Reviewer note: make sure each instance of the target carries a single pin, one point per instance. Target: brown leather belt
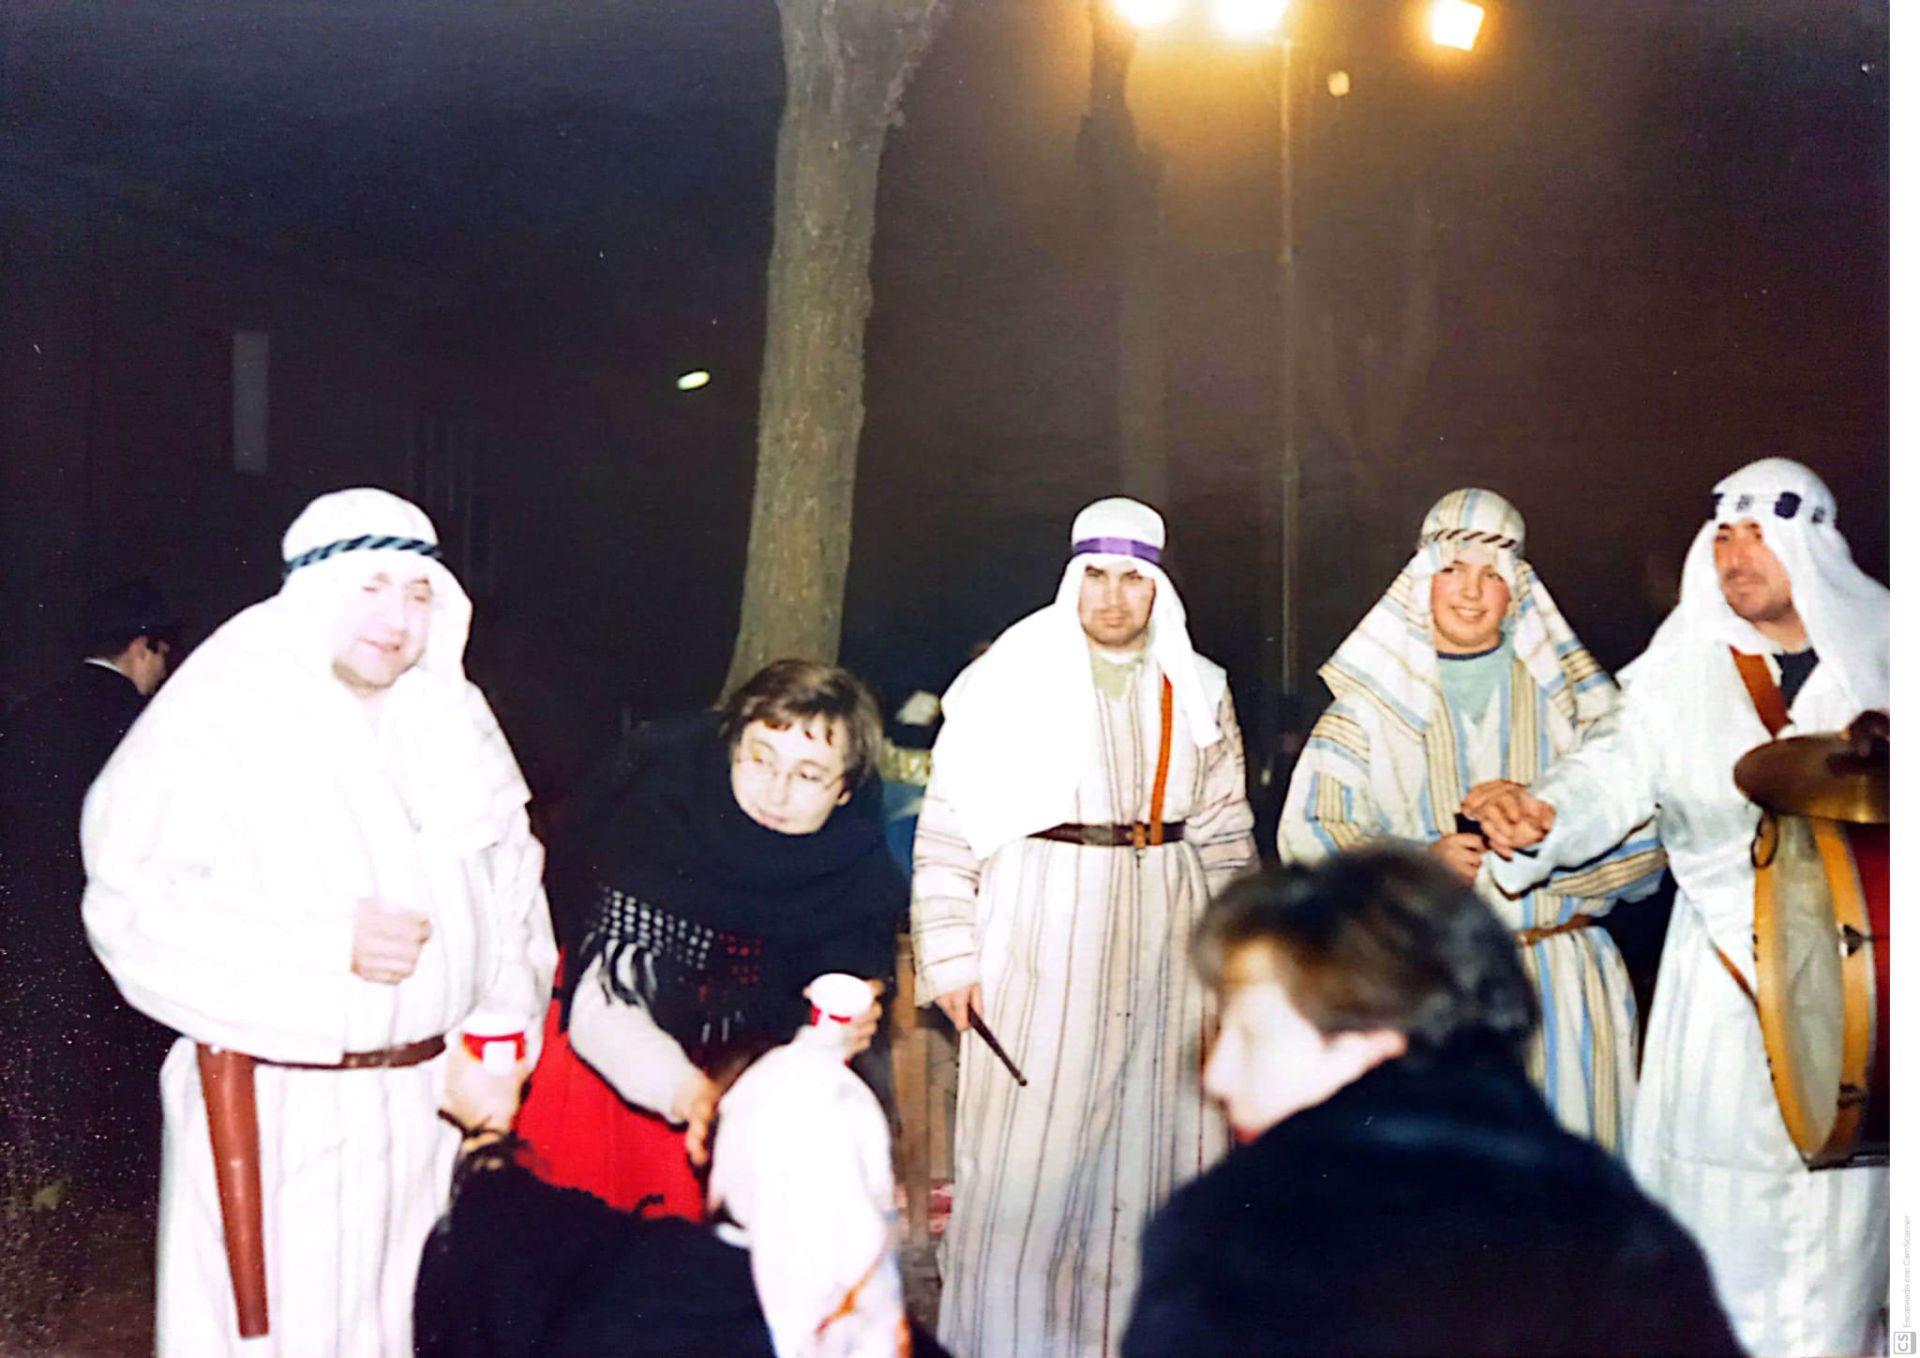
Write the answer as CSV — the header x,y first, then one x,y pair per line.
x,y
1136,835
386,1058
1526,938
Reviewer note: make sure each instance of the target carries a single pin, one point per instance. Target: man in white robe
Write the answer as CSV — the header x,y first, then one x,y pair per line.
x,y
313,849
1466,673
1799,1257
1088,796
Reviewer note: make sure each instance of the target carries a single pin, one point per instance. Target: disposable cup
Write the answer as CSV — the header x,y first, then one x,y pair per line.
x,y
497,1040
837,997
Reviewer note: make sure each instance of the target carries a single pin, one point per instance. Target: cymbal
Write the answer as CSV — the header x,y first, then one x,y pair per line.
x,y
1816,776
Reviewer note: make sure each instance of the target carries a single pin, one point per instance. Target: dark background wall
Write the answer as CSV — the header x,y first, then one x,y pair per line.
x,y
484,239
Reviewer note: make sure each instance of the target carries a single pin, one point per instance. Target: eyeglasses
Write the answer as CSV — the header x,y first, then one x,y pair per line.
x,y
758,768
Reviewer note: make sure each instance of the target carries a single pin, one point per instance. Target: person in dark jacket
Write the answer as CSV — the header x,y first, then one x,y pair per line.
x,y
1400,1187
79,1084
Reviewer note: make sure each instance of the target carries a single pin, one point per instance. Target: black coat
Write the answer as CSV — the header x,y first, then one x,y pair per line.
x,y
54,747
1435,1212
81,1066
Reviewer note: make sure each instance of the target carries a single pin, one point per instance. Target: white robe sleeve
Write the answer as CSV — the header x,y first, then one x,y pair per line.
x,y
187,941
1598,793
631,1052
946,899
802,1163
522,981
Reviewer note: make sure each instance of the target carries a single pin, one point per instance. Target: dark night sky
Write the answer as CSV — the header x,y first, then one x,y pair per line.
x,y
1661,244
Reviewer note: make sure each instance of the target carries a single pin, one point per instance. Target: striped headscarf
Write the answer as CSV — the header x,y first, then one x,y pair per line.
x,y
1390,656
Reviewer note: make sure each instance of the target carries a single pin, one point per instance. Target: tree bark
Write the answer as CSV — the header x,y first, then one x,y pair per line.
x,y
848,62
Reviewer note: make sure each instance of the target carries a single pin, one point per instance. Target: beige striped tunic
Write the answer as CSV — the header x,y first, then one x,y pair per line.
x,y
1081,956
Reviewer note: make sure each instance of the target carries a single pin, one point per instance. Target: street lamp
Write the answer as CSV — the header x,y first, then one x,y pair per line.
x,y
1454,23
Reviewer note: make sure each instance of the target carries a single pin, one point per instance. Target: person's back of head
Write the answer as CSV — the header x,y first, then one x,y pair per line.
x,y
1381,943
131,626
1406,1189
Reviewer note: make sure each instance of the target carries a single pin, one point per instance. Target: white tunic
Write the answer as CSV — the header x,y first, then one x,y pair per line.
x,y
1800,1258
1081,954
228,844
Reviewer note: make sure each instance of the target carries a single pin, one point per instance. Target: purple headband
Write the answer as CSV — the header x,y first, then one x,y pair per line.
x,y
1146,551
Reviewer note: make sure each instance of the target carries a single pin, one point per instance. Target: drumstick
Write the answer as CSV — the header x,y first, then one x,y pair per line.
x,y
979,1026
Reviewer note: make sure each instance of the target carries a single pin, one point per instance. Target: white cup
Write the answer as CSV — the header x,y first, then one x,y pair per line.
x,y
837,1000
495,1038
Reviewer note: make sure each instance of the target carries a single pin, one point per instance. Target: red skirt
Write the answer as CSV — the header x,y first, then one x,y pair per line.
x,y
581,1134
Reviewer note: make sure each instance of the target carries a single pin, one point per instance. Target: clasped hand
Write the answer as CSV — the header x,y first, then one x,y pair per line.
x,y
1510,816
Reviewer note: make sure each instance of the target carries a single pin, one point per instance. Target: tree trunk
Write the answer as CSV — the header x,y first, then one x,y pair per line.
x,y
847,62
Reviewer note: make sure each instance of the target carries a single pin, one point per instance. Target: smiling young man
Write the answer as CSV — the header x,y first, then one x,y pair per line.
x,y
1465,674
314,850
1769,590
1088,796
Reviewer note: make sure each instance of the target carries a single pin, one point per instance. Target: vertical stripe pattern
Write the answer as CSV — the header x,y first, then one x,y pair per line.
x,y
1081,954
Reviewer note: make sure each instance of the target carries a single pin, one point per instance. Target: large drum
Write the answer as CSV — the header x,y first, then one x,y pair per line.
x,y
1822,944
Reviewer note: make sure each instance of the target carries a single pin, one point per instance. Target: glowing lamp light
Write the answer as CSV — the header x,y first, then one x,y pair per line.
x,y
1248,18
693,381
1339,84
1147,13
1456,23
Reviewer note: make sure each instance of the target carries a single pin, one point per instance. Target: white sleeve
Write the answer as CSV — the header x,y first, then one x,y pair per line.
x,y
822,1247
1598,793
173,912
522,981
621,1041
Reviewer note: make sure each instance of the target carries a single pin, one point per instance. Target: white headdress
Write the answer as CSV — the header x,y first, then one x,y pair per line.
x,y
1844,609
1390,656
1021,726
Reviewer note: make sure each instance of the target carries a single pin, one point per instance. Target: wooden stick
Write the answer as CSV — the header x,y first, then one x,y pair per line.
x,y
993,1044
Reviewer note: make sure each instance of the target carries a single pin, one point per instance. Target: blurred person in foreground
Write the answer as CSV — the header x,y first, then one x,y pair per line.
x,y
1401,1188
797,1255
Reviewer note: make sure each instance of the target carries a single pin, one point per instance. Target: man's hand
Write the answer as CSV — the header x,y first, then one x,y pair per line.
x,y
954,1005
1512,817
387,942
868,1024
694,1103
475,1097
1460,852
1871,734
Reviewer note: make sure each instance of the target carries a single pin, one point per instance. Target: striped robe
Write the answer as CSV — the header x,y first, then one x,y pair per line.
x,y
1081,956
1346,791
228,844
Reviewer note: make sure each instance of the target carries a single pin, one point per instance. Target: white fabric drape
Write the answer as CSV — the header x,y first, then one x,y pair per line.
x,y
228,843
1800,1258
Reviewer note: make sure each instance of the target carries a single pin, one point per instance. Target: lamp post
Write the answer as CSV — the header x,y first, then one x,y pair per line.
x,y
1453,23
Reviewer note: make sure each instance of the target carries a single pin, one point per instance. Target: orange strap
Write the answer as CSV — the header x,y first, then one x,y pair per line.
x,y
1768,701
1156,831
1771,706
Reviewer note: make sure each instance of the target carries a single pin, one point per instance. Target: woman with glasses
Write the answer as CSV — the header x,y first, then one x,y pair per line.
x,y
733,857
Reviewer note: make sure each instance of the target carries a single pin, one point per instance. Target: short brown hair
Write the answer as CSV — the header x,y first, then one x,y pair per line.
x,y
1381,938
790,691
